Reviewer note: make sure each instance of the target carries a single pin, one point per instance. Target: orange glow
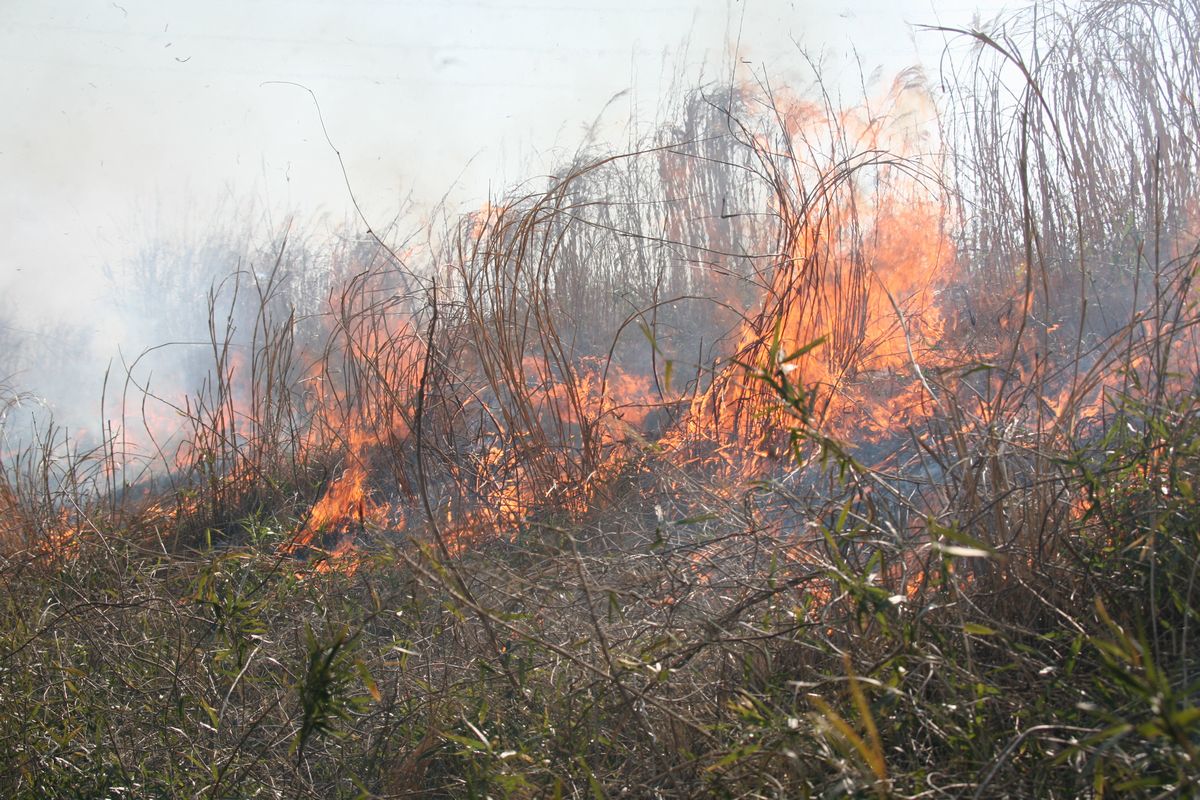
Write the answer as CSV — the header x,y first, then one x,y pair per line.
x,y
857,253
863,271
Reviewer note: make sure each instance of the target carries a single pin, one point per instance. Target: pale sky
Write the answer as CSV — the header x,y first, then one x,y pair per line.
x,y
125,119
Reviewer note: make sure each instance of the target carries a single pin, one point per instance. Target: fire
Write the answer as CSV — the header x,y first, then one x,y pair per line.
x,y
861,265
345,510
487,390
864,262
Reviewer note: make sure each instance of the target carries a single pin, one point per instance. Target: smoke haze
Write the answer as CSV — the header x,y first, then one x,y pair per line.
x,y
168,140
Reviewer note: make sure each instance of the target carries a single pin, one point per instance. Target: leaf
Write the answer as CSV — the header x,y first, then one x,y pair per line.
x,y
959,544
696,519
211,712
471,744
961,552
814,344
733,756
1185,718
842,727
876,759
593,784
368,681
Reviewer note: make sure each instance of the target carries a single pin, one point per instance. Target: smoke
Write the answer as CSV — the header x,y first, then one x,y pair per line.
x,y
158,165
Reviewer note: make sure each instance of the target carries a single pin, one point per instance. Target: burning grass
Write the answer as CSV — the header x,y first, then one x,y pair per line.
x,y
802,451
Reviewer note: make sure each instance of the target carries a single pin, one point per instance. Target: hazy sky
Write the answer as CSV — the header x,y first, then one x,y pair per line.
x,y
126,119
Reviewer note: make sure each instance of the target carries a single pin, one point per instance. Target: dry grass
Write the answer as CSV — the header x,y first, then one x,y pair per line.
x,y
802,451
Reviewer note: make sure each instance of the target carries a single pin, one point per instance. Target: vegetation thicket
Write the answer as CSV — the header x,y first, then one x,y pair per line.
x,y
801,451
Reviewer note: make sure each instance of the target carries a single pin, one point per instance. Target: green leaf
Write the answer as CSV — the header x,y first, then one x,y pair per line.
x,y
978,630
733,756
1185,718
813,345
471,744
593,784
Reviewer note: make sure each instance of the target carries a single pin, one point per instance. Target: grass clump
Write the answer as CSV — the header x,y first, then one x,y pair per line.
x,y
801,452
